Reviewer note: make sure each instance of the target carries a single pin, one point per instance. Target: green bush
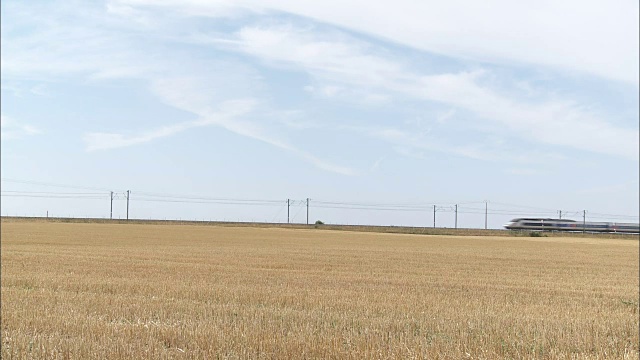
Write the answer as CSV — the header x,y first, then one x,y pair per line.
x,y
537,234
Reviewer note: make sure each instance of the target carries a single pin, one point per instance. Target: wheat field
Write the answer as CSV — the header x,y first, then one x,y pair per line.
x,y
127,291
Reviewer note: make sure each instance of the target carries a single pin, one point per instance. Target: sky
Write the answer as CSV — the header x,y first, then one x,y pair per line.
x,y
374,111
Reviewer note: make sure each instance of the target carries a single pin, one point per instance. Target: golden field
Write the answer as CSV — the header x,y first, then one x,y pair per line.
x,y
124,291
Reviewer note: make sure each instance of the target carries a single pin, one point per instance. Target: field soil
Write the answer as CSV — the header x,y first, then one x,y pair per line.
x,y
127,291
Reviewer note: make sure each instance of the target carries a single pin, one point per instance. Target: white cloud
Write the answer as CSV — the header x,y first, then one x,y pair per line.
x,y
414,144
104,46
330,58
341,68
342,60
192,95
295,119
444,117
361,95
376,164
593,37
12,129
105,141
521,171
227,116
554,122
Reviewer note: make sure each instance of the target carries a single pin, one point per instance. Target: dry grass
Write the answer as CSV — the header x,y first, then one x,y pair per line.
x,y
117,291
358,228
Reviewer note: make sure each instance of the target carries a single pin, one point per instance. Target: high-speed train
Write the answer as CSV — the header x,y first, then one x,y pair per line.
x,y
571,225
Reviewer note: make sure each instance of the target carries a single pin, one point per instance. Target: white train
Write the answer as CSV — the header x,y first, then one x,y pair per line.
x,y
571,225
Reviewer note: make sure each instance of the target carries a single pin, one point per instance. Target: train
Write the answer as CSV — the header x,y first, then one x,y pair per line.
x,y
571,225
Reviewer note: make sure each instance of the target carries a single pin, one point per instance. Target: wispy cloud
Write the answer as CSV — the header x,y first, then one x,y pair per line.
x,y
510,32
109,46
521,171
340,66
346,61
191,95
418,145
13,129
376,164
629,188
229,110
445,116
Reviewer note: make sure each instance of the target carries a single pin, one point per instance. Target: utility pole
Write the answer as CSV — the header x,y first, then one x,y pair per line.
x,y
456,216
307,211
486,207
128,192
434,216
560,214
111,211
584,220
287,211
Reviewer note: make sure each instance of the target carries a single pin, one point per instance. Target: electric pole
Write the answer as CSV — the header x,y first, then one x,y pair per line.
x,y
434,216
560,214
456,216
486,207
584,220
128,192
307,211
111,211
287,211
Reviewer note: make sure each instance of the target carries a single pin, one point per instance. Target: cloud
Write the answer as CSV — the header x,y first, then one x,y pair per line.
x,y
128,42
554,122
105,141
192,95
376,164
327,57
350,63
417,145
54,49
555,34
12,129
201,73
444,117
226,116
521,171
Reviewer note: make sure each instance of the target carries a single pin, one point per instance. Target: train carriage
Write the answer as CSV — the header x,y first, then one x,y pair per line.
x,y
549,224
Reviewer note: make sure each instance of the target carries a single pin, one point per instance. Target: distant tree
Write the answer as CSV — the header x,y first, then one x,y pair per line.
x,y
537,234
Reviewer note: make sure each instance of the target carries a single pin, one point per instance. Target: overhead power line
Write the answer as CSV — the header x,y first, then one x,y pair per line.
x,y
469,207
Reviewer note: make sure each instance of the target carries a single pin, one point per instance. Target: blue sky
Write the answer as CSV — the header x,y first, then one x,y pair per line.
x,y
385,108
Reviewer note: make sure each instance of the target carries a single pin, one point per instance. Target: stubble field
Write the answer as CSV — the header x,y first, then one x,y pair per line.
x,y
120,291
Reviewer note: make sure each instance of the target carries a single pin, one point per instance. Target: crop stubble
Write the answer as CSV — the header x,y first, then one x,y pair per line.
x,y
121,291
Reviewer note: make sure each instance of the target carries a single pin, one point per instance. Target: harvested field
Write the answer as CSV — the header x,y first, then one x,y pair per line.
x,y
122,291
